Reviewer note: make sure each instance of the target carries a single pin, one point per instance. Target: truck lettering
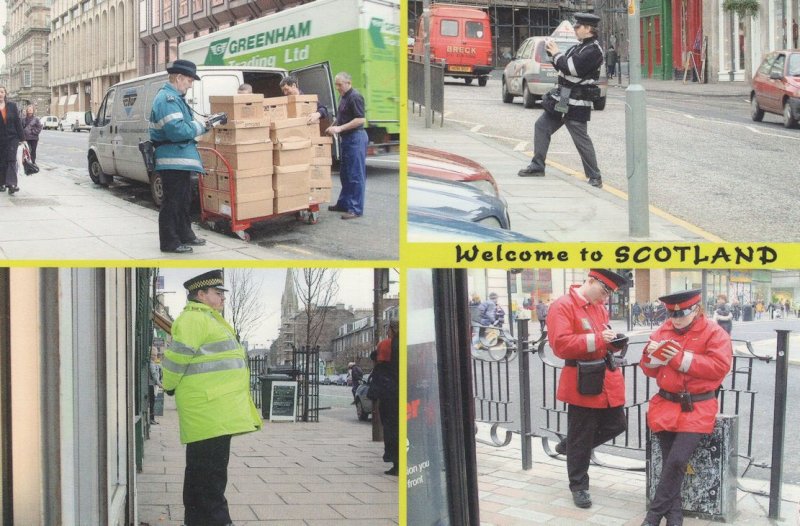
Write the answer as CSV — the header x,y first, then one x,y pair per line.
x,y
267,38
462,50
296,54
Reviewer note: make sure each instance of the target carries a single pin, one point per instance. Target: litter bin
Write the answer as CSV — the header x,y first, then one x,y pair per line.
x,y
747,313
266,390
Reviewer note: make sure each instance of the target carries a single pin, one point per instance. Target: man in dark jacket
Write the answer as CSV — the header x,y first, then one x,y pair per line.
x,y
578,73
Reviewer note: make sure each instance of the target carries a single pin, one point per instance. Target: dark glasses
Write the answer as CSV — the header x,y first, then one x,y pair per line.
x,y
683,312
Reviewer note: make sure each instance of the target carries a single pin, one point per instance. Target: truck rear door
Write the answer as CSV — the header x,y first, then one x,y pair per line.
x,y
104,137
318,80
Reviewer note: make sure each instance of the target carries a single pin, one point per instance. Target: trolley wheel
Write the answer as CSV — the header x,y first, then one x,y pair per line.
x,y
313,218
243,235
302,215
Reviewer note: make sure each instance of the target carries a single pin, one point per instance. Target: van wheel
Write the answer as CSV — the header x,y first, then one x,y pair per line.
x,y
482,81
156,189
96,172
528,98
756,113
788,121
507,97
468,81
599,104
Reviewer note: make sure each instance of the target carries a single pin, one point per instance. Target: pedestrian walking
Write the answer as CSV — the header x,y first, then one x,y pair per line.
x,y
385,376
487,310
611,61
153,381
11,135
349,126
689,357
206,369
541,314
570,104
722,313
31,128
173,132
356,374
594,388
290,86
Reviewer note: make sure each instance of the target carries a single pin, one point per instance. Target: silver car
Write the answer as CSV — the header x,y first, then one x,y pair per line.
x,y
530,75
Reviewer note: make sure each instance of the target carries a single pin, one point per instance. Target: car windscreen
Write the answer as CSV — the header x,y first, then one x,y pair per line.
x,y
794,65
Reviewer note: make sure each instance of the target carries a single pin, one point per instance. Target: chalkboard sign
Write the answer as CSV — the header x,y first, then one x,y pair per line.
x,y
283,402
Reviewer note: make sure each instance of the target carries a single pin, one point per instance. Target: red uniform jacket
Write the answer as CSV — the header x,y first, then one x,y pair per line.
x,y
704,360
574,329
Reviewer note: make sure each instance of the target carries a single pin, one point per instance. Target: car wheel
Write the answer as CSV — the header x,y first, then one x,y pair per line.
x,y
528,99
788,120
156,189
507,97
482,81
96,172
599,104
362,415
468,81
756,113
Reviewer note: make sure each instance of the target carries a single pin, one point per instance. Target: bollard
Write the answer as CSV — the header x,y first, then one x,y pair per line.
x,y
778,423
524,387
709,487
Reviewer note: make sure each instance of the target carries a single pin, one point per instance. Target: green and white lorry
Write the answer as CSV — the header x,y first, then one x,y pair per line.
x,y
315,41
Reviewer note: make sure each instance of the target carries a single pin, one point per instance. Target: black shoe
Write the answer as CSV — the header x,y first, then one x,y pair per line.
x,y
180,249
392,471
198,242
561,447
334,208
596,182
582,499
531,171
13,190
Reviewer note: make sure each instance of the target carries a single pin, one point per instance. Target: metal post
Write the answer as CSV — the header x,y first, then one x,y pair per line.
x,y
733,47
524,394
636,133
426,59
779,423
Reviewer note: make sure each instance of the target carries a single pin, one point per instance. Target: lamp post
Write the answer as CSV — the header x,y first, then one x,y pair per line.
x,y
636,132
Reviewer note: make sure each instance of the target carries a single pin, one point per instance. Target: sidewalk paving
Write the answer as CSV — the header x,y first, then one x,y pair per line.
x,y
562,207
511,496
288,474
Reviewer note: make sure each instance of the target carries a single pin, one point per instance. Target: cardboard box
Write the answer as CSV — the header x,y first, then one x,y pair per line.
x,y
322,146
246,210
301,105
239,107
211,201
207,139
321,161
292,151
245,156
290,203
291,180
276,108
321,195
320,176
314,130
241,174
249,188
282,130
243,134
210,180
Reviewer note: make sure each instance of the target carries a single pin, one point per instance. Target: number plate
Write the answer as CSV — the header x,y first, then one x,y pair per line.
x,y
463,69
552,74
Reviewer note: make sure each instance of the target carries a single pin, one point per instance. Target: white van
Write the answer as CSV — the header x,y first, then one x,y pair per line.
x,y
74,121
49,122
122,121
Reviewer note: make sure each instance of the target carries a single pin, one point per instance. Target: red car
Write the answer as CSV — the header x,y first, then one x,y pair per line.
x,y
776,87
449,166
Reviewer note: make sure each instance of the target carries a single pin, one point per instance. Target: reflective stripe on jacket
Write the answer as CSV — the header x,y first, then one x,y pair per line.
x,y
207,368
171,123
574,330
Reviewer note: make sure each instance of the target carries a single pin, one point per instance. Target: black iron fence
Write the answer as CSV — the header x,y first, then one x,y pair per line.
x,y
304,370
416,86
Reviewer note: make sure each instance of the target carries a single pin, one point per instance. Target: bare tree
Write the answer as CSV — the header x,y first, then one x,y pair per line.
x,y
316,288
243,306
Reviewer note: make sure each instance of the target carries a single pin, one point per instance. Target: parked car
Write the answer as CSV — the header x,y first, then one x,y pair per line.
x,y
530,74
325,380
451,167
50,122
432,228
776,87
74,121
340,379
456,200
363,404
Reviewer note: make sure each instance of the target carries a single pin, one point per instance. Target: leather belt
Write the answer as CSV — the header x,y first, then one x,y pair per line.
x,y
699,397
571,363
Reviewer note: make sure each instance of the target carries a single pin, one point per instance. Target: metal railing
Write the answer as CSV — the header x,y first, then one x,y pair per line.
x,y
416,86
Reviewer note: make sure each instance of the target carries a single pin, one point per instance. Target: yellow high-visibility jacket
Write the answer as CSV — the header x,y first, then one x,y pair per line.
x,y
207,368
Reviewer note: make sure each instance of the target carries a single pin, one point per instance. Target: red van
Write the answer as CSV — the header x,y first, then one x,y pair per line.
x,y
461,37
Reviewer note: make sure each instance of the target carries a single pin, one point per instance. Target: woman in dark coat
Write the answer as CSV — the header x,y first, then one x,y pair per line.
x,y
31,128
10,137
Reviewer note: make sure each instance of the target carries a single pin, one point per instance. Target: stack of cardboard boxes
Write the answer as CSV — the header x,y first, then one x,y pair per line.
x,y
271,151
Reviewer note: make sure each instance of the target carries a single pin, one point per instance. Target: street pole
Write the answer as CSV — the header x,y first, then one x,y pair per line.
x,y
426,59
733,47
636,133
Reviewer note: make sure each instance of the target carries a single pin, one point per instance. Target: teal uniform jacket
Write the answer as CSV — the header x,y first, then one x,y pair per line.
x,y
172,125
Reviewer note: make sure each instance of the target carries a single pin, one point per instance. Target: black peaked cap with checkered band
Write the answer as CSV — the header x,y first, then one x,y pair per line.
x,y
212,278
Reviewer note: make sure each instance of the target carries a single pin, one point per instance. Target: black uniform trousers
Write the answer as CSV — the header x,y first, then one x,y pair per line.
x,y
676,448
205,480
547,124
174,220
391,428
587,428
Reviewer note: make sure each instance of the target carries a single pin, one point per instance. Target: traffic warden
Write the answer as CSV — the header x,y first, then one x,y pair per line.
x,y
206,369
349,126
594,388
689,356
570,104
173,133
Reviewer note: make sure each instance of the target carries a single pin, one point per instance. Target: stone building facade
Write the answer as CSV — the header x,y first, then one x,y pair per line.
x,y
27,53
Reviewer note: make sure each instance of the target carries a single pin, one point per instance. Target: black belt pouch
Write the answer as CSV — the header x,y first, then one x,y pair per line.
x,y
591,376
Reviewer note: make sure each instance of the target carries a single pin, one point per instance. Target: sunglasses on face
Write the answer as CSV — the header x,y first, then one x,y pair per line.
x,y
683,312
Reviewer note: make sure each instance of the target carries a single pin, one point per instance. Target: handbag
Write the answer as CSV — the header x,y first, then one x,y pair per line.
x,y
591,376
27,163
